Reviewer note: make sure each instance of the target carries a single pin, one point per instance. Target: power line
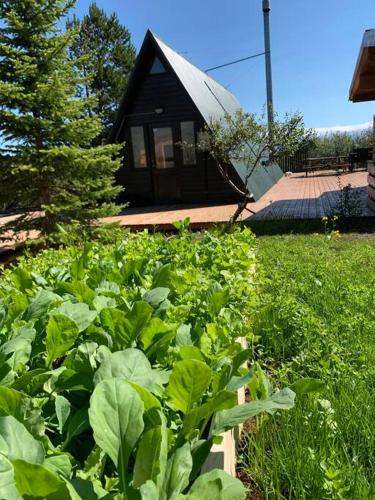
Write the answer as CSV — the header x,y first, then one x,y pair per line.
x,y
235,62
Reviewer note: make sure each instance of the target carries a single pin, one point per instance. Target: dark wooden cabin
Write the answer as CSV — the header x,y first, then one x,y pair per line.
x,y
167,101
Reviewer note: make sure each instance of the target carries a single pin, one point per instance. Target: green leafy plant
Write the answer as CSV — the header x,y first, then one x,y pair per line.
x,y
120,364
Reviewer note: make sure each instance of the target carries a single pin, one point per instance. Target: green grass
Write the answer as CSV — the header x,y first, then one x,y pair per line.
x,y
316,318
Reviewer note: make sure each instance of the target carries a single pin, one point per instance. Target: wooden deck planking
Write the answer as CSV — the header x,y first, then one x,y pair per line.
x,y
293,197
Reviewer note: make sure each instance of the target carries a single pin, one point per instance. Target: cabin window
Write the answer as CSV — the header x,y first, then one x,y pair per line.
x,y
139,147
189,156
157,67
164,147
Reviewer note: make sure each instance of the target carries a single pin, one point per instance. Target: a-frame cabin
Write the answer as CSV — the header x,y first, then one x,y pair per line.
x,y
167,101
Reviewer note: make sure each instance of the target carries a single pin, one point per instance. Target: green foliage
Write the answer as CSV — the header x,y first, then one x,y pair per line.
x,y
249,141
48,167
102,49
116,359
340,143
315,320
349,203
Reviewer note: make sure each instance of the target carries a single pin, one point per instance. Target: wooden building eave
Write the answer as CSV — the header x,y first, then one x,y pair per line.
x,y
363,82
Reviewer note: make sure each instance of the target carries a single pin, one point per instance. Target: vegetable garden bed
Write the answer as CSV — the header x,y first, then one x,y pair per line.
x,y
119,367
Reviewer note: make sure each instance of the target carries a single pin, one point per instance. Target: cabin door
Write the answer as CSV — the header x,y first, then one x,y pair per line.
x,y
164,160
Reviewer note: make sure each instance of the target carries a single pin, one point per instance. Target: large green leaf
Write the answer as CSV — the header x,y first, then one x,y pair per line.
x,y
81,489
22,408
227,419
223,400
156,296
8,489
151,458
78,312
149,491
217,485
37,481
77,423
217,297
130,364
179,467
116,417
62,408
154,330
187,384
80,290
40,304
18,348
138,318
10,401
16,442
62,332
126,327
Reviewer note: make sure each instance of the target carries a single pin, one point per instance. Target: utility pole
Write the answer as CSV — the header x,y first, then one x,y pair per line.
x,y
267,48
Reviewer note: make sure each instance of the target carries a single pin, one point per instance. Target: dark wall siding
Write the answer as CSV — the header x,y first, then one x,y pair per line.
x,y
196,184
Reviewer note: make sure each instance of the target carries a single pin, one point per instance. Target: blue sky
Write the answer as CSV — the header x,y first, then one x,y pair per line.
x,y
314,48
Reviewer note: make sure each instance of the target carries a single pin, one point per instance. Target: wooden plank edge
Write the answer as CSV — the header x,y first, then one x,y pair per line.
x,y
224,455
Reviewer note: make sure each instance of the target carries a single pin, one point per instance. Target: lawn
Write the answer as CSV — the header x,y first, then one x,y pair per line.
x,y
316,318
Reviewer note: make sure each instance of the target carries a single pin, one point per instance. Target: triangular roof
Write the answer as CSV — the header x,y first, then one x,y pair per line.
x,y
210,98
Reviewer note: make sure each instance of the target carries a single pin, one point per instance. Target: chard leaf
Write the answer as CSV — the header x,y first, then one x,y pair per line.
x,y
190,352
227,419
238,382
223,400
149,491
59,463
16,442
138,317
116,417
102,302
217,298
156,296
183,336
77,423
62,332
86,490
40,304
187,384
62,407
149,400
153,330
22,408
34,480
179,467
80,290
151,458
131,365
79,312
109,288
217,484
126,327
8,489
18,348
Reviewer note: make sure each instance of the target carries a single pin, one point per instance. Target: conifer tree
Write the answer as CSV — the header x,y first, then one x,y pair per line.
x,y
47,164
109,58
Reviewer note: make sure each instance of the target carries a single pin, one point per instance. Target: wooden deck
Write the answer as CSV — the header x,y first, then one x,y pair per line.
x,y
293,197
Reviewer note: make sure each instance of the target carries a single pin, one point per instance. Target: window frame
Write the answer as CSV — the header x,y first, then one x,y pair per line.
x,y
138,167
150,73
189,165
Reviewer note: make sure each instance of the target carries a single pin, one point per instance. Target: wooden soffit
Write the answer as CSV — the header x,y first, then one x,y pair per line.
x,y
363,83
